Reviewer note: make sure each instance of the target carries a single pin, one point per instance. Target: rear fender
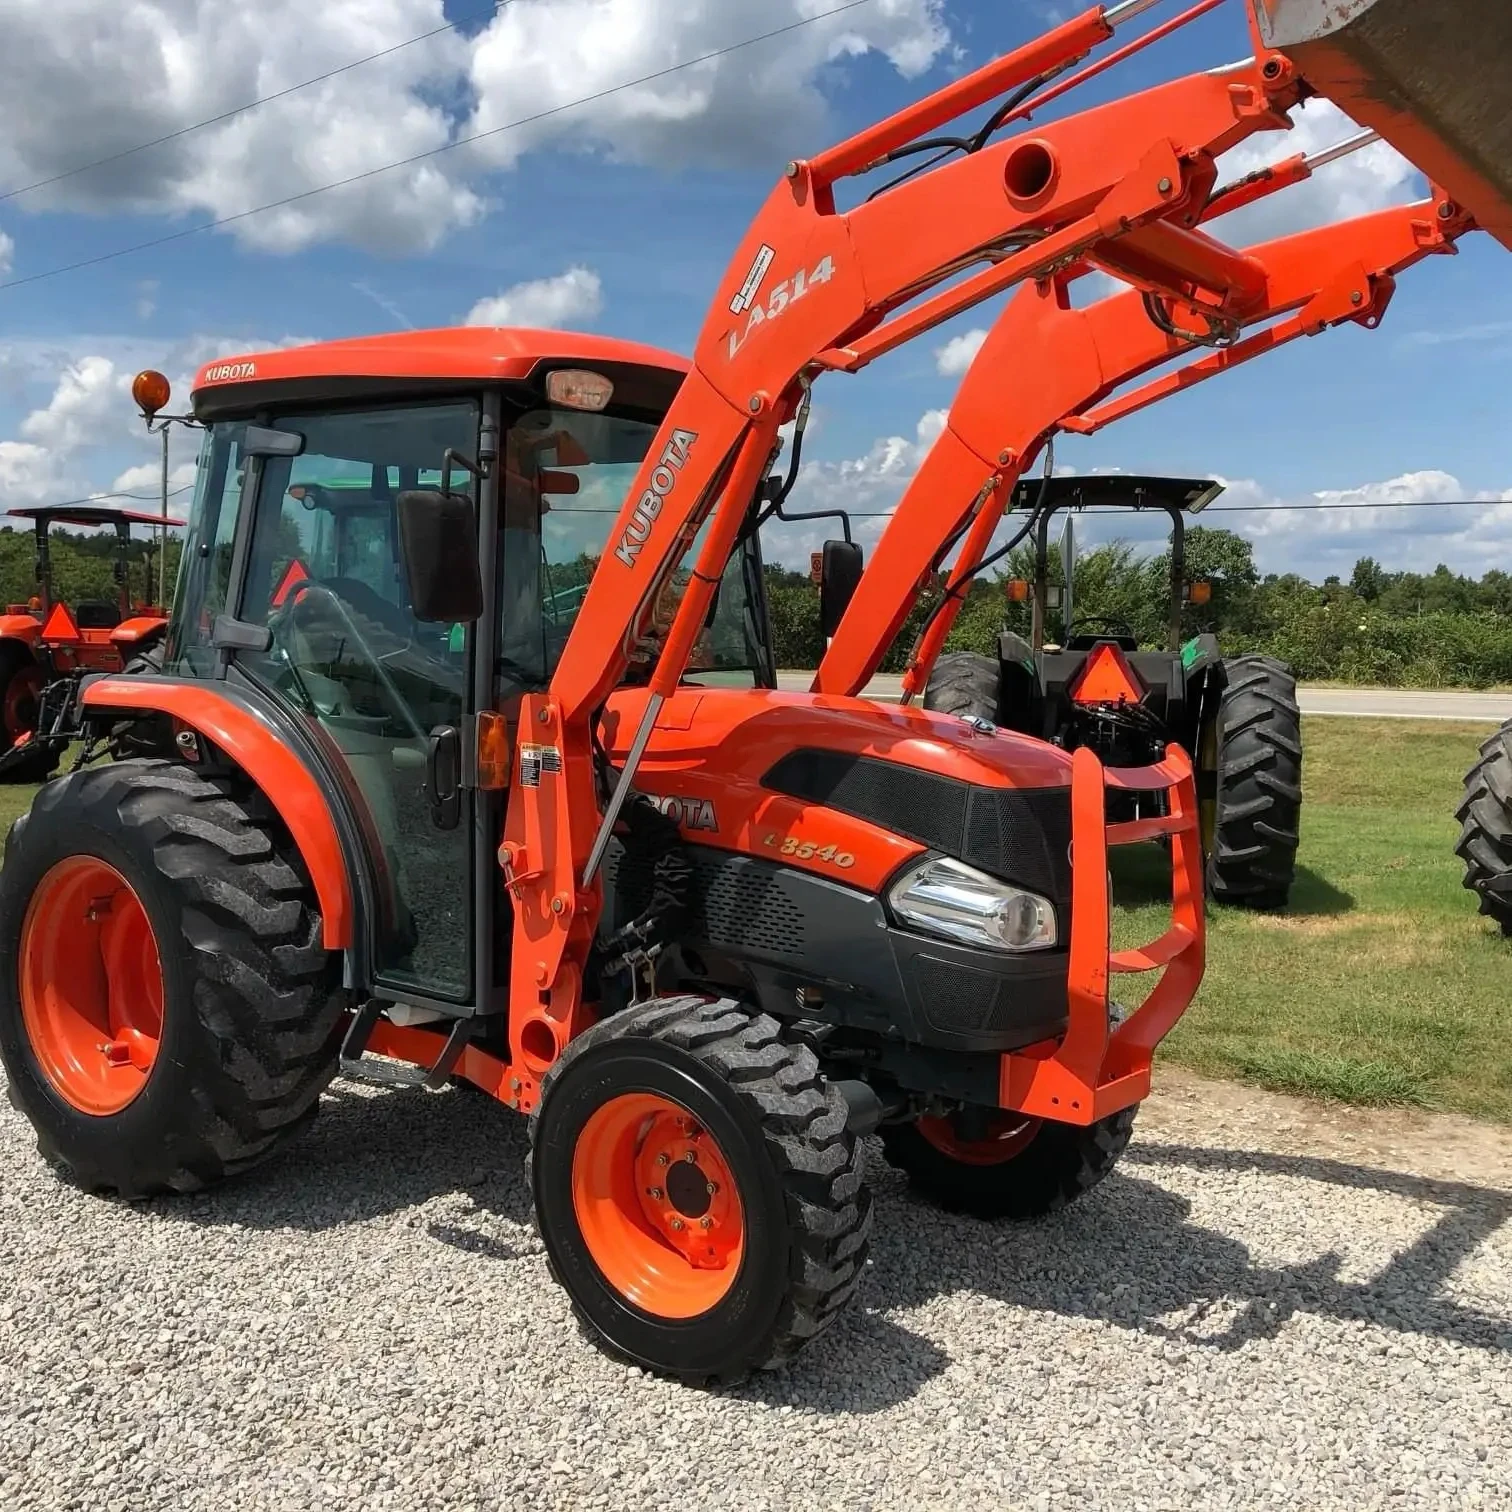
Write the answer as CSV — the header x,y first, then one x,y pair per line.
x,y
20,627
138,633
283,778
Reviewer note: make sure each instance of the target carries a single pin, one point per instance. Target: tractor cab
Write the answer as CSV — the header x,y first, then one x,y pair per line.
x,y
295,593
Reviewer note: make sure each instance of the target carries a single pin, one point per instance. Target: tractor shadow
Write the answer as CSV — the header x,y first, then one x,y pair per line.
x,y
373,1154
1129,1255
1142,877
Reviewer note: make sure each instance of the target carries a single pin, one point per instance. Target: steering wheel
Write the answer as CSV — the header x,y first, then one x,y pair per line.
x,y
1104,622
309,588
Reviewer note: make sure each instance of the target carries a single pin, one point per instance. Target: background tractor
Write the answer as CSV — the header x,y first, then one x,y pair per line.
x,y
1094,687
47,644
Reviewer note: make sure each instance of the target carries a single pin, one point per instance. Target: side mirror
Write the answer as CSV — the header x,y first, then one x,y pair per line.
x,y
438,546
259,441
839,574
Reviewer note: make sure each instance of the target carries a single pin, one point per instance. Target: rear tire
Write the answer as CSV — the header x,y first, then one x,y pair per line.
x,y
251,1001
1026,1176
964,683
789,1192
1259,789
21,683
1485,816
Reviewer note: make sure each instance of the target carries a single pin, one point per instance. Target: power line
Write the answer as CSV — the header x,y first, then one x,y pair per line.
x,y
477,136
226,115
887,514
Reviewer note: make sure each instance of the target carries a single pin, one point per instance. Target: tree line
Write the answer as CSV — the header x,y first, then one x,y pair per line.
x,y
1394,629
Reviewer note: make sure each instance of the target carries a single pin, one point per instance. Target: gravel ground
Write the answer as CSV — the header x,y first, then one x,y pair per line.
x,y
1267,1306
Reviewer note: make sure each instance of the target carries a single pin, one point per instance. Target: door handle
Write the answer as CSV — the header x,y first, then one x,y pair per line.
x,y
443,776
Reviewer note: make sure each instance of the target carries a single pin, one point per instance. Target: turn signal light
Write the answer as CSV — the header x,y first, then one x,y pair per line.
x,y
1199,593
1017,590
494,752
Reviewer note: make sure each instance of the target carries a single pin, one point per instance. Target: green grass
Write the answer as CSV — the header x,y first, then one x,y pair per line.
x,y
1380,983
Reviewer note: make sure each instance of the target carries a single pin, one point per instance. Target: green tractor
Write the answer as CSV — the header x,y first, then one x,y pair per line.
x,y
1237,716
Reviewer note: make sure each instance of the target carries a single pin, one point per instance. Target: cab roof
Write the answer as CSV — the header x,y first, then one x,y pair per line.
x,y
1117,491
91,514
436,360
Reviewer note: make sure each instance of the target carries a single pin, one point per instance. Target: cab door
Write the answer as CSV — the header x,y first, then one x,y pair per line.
x,y
388,694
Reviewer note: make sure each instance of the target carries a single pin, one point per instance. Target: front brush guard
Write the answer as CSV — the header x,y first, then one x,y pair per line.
x,y
1095,1069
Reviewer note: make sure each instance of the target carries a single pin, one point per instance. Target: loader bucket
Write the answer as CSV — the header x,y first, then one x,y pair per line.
x,y
1431,76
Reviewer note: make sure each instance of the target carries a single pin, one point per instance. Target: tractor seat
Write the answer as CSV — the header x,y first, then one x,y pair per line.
x,y
96,614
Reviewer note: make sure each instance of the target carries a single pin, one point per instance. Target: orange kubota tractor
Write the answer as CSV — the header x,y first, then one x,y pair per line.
x,y
47,645
437,796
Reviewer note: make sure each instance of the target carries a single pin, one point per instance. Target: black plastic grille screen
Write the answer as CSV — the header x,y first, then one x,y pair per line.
x,y
957,998
734,902
1021,836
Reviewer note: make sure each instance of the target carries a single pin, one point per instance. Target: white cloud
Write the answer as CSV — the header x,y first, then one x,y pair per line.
x,y
570,298
146,298
952,359
83,401
1370,179
146,479
7,252
29,474
1394,519
78,93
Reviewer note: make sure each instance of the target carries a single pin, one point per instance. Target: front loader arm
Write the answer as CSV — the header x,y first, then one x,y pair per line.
x,y
1046,367
814,288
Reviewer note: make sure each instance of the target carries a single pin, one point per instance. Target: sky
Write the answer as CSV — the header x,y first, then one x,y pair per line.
x,y
587,196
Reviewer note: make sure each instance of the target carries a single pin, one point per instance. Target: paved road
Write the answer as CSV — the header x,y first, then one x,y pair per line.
x,y
1374,703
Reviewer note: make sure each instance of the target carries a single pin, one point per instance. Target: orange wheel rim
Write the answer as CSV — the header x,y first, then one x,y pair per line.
x,y
91,985
657,1206
1008,1135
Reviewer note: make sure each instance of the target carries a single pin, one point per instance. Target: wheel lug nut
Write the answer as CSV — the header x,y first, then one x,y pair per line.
x,y
711,1188
691,1158
677,1224
655,1192
662,1158
706,1223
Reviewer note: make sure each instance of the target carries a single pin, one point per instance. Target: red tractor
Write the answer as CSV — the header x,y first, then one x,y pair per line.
x,y
427,812
47,645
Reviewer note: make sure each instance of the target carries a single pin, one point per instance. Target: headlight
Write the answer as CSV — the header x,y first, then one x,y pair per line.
x,y
947,897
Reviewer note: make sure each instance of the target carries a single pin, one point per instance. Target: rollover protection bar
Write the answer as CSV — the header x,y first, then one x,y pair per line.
x,y
1096,1068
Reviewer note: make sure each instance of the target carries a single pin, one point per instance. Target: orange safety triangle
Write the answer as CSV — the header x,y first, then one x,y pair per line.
x,y
60,625
295,574
1106,678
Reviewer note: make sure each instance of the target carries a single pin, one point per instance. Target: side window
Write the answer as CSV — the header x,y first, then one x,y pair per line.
x,y
205,565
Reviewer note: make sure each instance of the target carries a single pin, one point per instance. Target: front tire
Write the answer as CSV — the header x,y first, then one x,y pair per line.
x,y
702,1269
1018,1168
168,1013
1485,817
1257,820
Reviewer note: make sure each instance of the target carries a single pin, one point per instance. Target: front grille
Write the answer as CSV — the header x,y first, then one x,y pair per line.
x,y
1022,837
921,805
733,902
